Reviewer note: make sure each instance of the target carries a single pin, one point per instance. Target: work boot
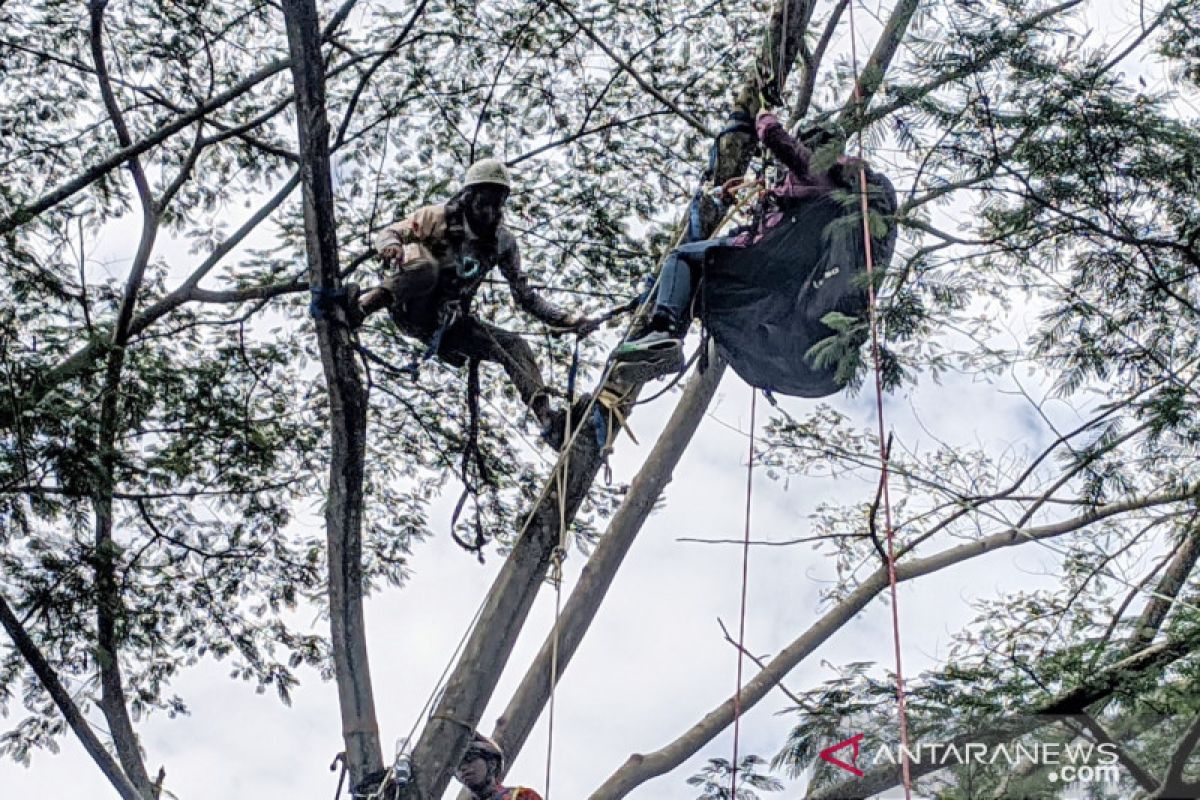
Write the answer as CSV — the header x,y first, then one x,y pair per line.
x,y
650,356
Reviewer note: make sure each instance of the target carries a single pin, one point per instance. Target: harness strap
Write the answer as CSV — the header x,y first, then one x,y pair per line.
x,y
448,314
472,454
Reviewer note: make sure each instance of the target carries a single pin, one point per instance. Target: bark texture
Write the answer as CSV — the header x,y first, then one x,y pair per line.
x,y
347,399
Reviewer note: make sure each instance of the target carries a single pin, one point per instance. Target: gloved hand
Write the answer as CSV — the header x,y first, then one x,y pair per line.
x,y
729,189
393,253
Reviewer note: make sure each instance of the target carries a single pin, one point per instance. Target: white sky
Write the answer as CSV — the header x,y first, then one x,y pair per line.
x,y
654,661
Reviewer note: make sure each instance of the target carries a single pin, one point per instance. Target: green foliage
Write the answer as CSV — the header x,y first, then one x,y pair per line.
x,y
221,425
1037,182
715,781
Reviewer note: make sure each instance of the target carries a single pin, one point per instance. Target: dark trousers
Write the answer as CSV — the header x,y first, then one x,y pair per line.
x,y
414,309
677,286
471,338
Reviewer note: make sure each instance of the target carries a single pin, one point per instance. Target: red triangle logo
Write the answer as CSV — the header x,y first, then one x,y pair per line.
x,y
828,755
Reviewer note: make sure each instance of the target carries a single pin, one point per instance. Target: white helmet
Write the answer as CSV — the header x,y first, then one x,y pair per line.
x,y
488,171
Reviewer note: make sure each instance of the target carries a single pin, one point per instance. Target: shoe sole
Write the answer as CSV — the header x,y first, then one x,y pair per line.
x,y
658,362
654,347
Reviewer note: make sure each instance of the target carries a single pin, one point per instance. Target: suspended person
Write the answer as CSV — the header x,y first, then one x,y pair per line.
x,y
657,349
441,254
480,771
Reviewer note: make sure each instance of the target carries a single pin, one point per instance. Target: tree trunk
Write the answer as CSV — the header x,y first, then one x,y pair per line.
x,y
347,399
513,727
490,644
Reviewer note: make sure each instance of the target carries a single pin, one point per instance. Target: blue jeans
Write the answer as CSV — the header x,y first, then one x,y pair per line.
x,y
673,303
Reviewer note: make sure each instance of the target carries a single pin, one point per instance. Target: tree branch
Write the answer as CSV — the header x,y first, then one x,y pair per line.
x,y
811,64
347,401
527,703
62,698
110,608
1172,783
92,174
870,78
908,95
1114,679
642,767
642,82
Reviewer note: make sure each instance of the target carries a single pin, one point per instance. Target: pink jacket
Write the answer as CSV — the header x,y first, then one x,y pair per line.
x,y
799,182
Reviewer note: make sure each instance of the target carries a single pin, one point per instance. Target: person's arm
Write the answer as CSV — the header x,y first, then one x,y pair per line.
x,y
794,155
427,222
527,298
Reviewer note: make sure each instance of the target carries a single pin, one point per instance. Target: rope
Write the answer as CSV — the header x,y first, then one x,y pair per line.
x,y
340,758
556,565
437,687
883,449
737,696
558,472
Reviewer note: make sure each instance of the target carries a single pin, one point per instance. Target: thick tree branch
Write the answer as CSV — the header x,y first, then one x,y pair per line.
x,y
1139,773
347,400
642,767
1153,616
811,63
62,698
527,703
1172,782
870,77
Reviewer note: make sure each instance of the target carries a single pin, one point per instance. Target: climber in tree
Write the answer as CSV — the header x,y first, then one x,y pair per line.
x,y
480,771
441,254
657,348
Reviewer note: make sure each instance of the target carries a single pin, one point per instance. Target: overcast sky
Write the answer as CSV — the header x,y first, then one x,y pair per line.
x,y
655,660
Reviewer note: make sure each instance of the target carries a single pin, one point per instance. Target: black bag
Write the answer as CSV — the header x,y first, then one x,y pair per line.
x,y
764,303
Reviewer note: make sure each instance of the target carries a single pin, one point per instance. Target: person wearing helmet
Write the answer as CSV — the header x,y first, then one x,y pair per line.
x,y
657,348
480,770
440,255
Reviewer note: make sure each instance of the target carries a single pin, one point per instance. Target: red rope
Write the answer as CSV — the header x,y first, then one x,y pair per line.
x,y
883,453
737,696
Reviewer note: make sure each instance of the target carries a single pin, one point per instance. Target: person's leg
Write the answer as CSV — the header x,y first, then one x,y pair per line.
x,y
673,301
471,338
412,282
657,349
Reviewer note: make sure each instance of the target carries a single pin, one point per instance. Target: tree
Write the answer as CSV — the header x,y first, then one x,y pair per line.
x,y
161,436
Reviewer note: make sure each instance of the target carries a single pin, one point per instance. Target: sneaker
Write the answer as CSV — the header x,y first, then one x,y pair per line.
x,y
653,355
